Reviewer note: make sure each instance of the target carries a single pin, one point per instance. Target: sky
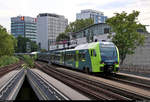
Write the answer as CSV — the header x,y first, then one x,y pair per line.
x,y
69,8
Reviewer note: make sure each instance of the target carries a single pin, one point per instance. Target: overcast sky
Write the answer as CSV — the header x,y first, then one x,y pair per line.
x,y
69,8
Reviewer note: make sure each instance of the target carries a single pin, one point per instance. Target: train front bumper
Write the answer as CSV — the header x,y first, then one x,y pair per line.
x,y
109,68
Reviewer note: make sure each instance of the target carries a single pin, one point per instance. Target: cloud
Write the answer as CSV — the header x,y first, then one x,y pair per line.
x,y
69,8
115,4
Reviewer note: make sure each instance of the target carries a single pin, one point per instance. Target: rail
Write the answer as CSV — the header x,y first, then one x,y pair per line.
x,y
81,84
43,89
10,89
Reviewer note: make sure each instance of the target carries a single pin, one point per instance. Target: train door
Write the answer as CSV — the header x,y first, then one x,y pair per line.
x,y
77,59
94,60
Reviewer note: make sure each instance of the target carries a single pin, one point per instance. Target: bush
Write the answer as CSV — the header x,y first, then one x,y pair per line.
x,y
28,60
6,60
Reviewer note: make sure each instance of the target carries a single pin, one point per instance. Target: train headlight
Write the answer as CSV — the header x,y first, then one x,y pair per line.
x,y
102,62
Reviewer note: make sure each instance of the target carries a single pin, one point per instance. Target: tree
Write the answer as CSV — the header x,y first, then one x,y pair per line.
x,y
7,42
78,25
22,44
34,46
73,27
126,36
43,50
62,37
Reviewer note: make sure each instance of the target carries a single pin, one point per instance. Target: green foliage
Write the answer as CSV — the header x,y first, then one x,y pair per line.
x,y
6,60
78,25
28,60
62,37
43,50
22,43
73,27
34,57
126,38
25,66
7,42
34,46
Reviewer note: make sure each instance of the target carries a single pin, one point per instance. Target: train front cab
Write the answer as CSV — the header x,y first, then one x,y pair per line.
x,y
109,62
104,58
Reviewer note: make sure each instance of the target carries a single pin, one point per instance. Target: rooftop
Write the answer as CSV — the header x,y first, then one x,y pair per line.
x,y
49,14
91,11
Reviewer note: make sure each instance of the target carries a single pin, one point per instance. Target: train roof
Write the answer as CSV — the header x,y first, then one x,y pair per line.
x,y
86,46
89,46
93,45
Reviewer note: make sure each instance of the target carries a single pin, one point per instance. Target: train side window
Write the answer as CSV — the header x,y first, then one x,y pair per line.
x,y
75,57
91,52
83,56
80,56
72,57
94,53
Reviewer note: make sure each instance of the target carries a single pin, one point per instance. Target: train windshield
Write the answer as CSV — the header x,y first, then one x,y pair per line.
x,y
108,52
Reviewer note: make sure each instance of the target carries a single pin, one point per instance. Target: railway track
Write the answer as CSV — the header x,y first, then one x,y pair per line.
x,y
9,68
44,90
127,93
83,85
10,89
140,84
119,90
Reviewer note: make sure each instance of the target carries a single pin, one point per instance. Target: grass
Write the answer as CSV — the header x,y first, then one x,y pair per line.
x,y
28,60
7,60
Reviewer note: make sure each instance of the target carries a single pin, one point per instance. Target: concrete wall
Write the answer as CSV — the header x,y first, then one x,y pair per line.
x,y
141,58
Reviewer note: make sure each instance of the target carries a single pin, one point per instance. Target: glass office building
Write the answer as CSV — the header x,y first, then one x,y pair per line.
x,y
97,16
24,26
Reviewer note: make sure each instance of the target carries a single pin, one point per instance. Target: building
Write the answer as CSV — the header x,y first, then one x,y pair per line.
x,y
24,26
95,32
142,54
97,16
49,26
92,33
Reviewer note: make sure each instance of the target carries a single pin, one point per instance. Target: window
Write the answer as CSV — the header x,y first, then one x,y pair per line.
x,y
108,52
106,30
82,56
94,53
91,52
84,35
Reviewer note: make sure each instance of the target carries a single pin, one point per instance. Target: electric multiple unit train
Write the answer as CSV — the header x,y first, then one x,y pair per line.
x,y
91,57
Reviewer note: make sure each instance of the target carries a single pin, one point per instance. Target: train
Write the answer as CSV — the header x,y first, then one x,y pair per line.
x,y
92,57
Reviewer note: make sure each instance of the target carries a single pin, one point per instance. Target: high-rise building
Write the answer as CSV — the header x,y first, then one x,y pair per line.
x,y
49,26
24,26
97,16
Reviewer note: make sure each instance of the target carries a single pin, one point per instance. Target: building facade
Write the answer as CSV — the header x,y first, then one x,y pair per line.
x,y
141,57
24,26
49,26
97,16
92,33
